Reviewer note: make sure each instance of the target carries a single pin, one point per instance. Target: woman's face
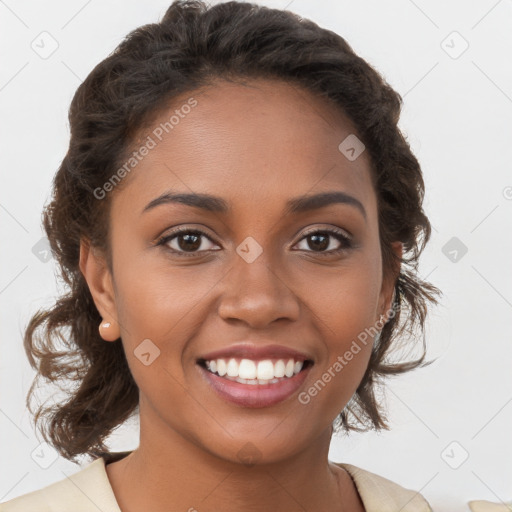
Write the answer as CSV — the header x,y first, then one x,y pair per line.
x,y
259,283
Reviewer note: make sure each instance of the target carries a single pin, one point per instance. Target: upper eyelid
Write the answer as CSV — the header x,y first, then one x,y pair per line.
x,y
330,230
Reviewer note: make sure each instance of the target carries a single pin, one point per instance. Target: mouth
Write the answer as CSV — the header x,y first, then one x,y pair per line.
x,y
255,382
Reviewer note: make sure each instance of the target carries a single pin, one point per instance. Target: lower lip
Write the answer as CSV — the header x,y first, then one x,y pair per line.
x,y
255,395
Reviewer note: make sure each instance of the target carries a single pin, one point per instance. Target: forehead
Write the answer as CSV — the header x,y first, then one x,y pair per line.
x,y
255,142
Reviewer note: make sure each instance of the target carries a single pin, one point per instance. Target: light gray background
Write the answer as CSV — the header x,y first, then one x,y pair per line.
x,y
457,117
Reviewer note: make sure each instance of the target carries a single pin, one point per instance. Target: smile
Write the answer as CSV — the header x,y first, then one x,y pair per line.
x,y
253,383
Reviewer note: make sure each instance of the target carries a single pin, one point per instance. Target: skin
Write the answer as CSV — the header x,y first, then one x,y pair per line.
x,y
256,145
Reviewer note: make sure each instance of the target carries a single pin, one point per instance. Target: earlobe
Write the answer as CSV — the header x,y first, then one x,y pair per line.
x,y
99,280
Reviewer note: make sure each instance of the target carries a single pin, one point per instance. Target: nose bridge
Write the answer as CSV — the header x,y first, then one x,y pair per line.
x,y
255,271
255,292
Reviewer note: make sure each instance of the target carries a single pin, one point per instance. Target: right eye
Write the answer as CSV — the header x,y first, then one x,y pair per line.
x,y
185,240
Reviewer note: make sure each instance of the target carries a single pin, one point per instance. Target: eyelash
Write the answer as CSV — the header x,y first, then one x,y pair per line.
x,y
338,235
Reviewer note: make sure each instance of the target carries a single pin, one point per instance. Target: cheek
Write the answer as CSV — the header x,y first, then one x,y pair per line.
x,y
346,299
345,307
348,344
166,306
156,296
348,311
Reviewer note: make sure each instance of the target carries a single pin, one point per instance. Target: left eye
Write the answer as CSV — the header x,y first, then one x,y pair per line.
x,y
321,240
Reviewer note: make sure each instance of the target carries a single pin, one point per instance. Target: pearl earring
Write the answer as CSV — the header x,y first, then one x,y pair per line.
x,y
106,333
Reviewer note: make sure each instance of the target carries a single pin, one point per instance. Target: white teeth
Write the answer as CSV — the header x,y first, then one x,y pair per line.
x,y
252,372
232,370
279,369
247,369
290,366
265,370
221,367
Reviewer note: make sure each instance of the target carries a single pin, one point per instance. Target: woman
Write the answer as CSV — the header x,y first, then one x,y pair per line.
x,y
239,220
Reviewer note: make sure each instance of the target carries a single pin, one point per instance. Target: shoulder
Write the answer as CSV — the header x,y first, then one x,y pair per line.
x,y
379,494
88,490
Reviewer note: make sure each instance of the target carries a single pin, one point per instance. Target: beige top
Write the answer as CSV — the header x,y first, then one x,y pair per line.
x,y
89,490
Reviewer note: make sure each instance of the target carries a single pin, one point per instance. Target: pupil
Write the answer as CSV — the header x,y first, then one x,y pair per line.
x,y
188,238
322,245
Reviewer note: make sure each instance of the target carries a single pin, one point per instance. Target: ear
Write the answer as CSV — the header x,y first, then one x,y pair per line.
x,y
94,268
388,284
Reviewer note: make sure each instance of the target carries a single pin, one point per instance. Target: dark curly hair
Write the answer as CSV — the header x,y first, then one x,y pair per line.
x,y
192,46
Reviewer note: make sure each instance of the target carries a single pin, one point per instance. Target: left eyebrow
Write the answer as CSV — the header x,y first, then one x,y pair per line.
x,y
307,203
296,205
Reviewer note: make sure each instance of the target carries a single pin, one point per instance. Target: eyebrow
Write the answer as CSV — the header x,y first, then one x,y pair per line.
x,y
296,205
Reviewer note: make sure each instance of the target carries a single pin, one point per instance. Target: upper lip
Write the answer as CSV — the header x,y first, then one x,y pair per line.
x,y
256,352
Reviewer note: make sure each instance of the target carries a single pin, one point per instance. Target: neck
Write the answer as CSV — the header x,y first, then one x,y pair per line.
x,y
168,471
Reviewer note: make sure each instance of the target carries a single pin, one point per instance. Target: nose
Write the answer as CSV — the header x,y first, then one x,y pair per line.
x,y
257,294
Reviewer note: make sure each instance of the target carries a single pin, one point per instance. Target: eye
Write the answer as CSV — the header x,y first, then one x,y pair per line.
x,y
185,240
322,241
190,242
